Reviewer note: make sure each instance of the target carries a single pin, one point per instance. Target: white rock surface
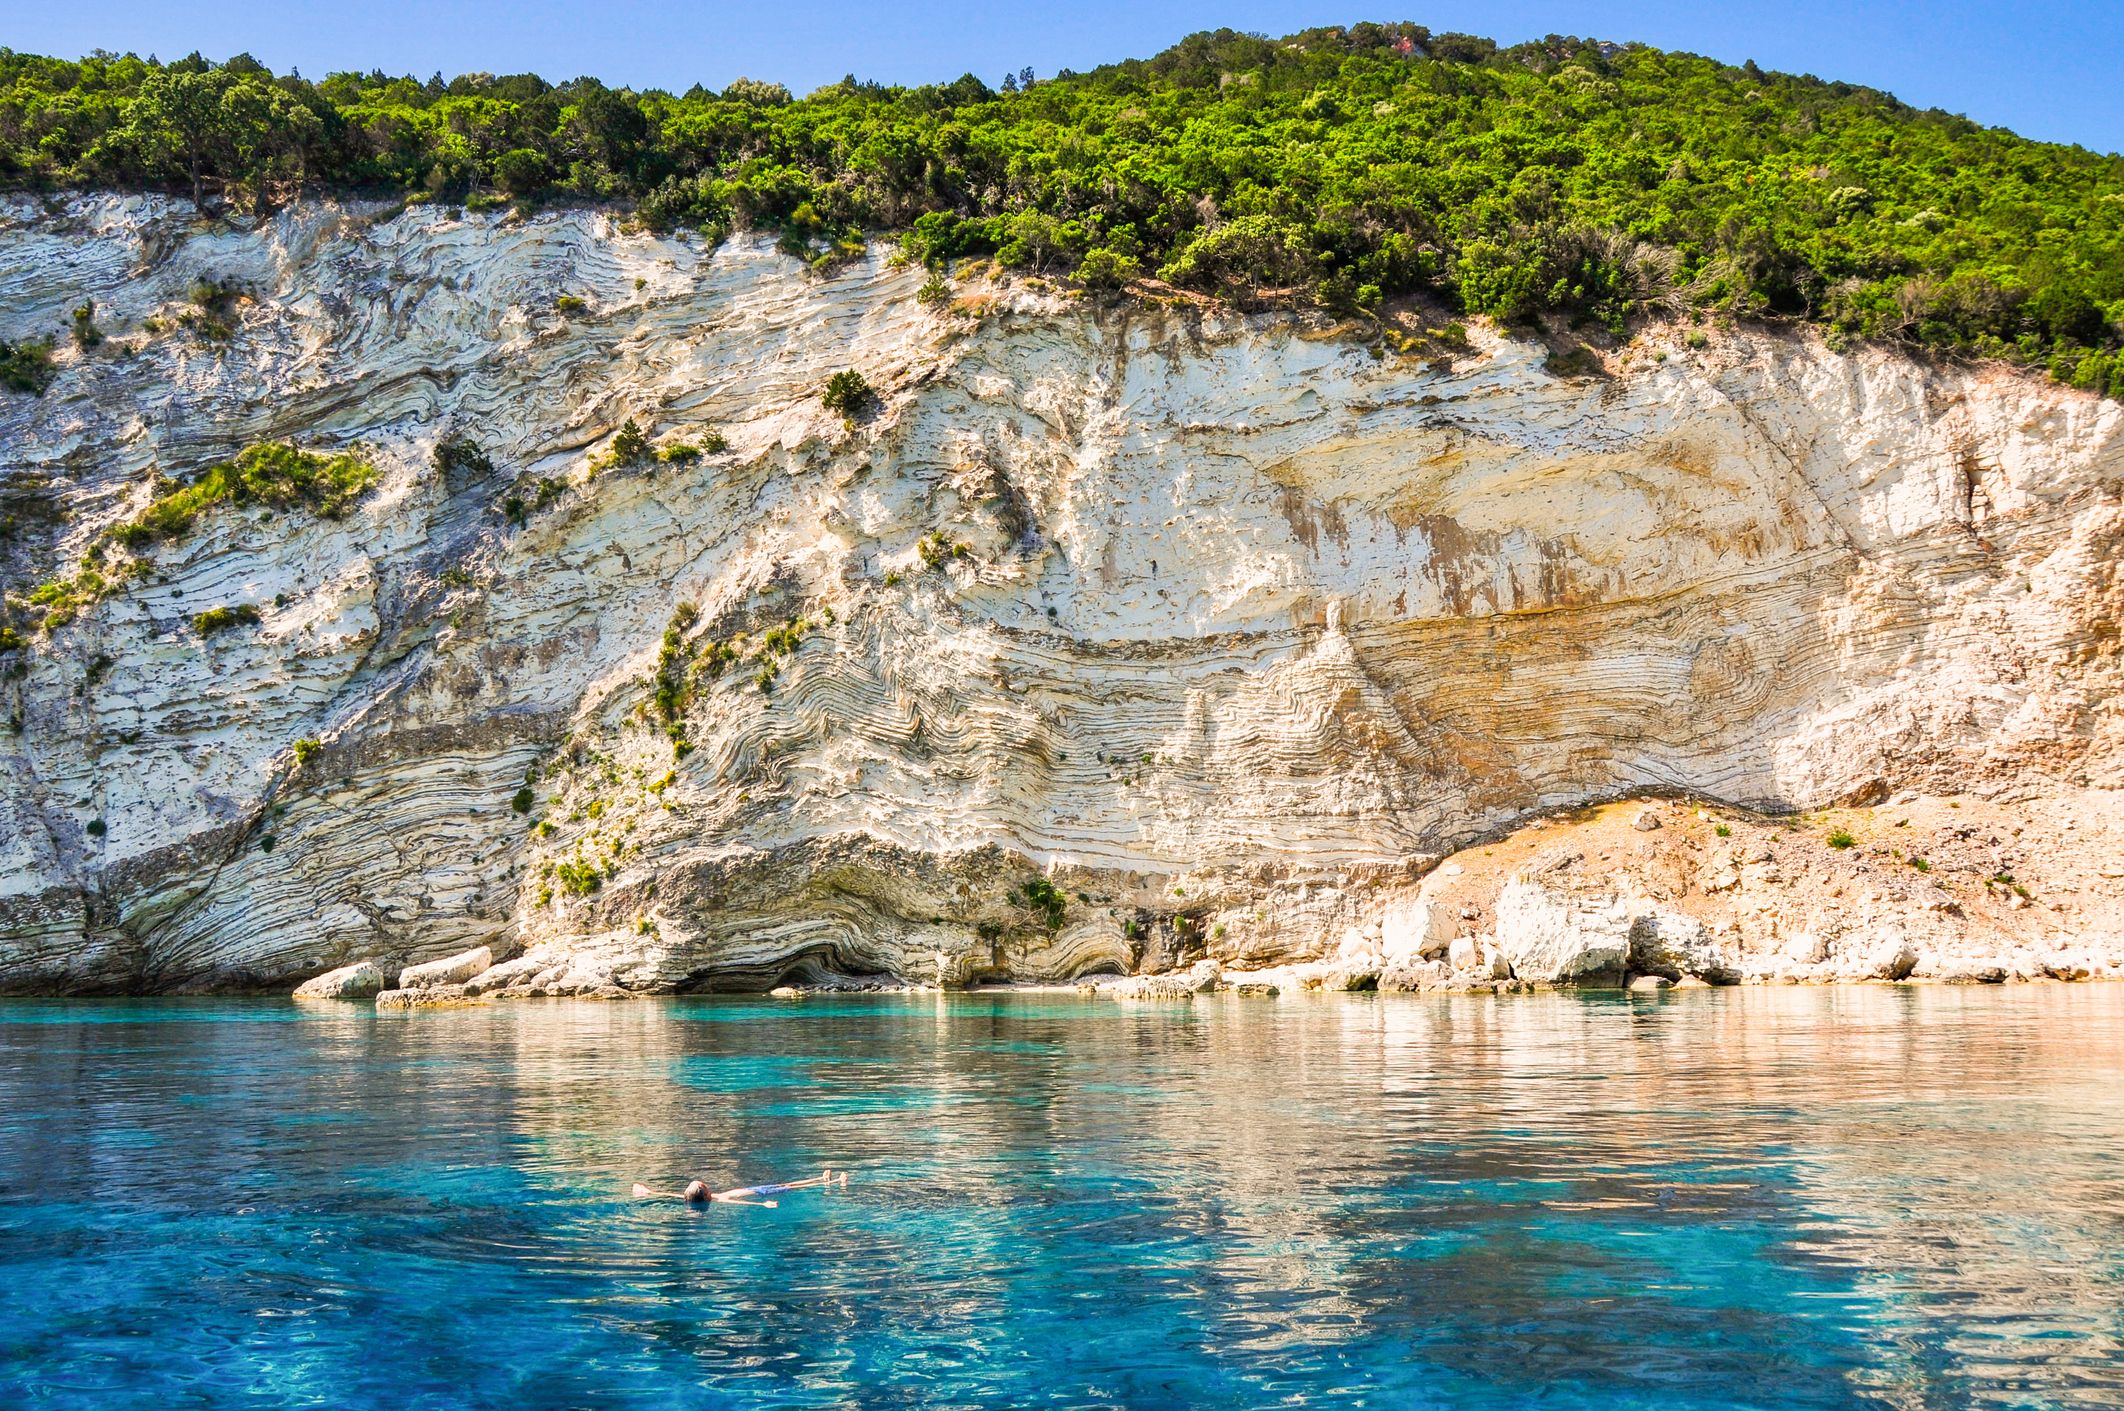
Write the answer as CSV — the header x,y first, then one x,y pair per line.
x,y
1250,627
1555,937
451,970
361,980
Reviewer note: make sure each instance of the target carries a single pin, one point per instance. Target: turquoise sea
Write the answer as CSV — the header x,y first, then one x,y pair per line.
x,y
1864,1197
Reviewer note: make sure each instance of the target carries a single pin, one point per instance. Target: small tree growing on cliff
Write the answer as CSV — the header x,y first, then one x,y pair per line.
x,y
848,393
629,446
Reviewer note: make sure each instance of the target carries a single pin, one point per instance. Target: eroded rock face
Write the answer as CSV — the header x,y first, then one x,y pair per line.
x,y
1248,628
1672,945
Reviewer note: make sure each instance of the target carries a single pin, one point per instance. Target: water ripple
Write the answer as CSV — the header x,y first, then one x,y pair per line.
x,y
1909,1199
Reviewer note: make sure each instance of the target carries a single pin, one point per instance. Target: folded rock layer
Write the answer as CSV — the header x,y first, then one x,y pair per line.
x,y
1106,638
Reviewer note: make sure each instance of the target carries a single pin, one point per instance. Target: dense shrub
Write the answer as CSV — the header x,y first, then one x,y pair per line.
x,y
578,878
1046,901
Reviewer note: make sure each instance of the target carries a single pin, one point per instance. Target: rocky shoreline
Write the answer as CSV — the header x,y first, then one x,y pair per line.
x,y
1644,894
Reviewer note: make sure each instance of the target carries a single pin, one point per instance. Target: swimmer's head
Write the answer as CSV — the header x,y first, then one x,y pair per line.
x,y
697,1191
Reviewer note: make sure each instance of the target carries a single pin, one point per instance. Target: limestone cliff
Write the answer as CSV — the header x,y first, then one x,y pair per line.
x,y
1108,637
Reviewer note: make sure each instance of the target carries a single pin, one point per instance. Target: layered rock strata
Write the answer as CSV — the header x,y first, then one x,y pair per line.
x,y
1108,639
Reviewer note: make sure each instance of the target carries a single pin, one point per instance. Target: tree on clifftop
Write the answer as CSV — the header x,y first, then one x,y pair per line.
x,y
206,125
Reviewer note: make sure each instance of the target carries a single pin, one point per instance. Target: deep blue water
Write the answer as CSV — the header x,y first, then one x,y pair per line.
x,y
1906,1198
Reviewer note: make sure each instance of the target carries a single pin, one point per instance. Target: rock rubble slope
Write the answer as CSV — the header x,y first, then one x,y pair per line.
x,y
1107,639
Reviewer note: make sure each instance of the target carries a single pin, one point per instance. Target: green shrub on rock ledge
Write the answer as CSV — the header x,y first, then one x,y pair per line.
x,y
1046,901
25,367
848,393
221,619
578,878
268,473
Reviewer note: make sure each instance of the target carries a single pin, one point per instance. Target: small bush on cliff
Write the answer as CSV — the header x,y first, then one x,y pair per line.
x,y
849,394
223,618
1841,840
86,334
522,800
306,749
26,367
58,601
1046,901
937,548
629,446
461,457
578,878
674,687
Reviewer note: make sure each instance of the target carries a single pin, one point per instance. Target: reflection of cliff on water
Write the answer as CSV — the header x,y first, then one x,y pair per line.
x,y
1908,1196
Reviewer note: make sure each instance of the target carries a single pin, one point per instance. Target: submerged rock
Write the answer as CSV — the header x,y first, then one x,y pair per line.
x,y
1198,979
357,981
436,996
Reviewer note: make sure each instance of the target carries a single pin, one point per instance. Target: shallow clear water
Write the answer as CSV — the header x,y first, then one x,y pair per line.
x,y
1774,1198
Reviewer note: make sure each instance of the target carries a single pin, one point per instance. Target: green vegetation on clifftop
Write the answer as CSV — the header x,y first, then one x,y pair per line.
x,y
1338,166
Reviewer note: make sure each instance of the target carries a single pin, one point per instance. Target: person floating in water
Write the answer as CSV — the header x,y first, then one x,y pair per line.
x,y
697,1193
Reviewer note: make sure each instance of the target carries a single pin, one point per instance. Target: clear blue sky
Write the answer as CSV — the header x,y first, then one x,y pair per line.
x,y
2051,69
